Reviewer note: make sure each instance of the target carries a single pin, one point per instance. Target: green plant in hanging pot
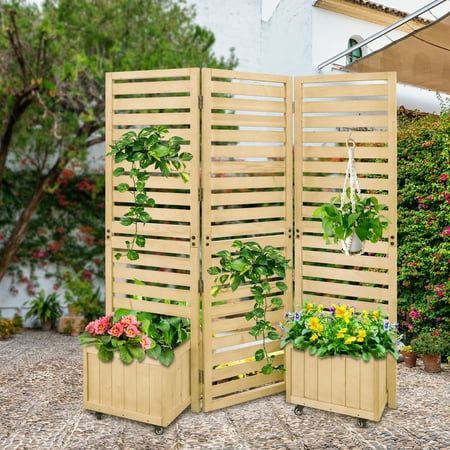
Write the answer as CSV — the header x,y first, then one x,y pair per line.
x,y
146,151
352,225
256,266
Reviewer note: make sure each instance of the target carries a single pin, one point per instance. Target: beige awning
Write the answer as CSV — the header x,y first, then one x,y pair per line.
x,y
422,58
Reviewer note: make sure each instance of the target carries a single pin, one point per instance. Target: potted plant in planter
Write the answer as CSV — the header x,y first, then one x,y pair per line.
x,y
430,347
45,308
352,224
409,356
137,365
336,360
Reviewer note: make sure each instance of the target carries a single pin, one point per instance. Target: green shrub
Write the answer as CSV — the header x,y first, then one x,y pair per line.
x,y
424,225
427,344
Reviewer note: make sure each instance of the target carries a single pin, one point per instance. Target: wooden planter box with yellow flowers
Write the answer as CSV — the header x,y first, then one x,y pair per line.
x,y
336,361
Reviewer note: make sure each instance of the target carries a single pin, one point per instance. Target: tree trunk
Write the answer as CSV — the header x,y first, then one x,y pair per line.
x,y
20,229
20,105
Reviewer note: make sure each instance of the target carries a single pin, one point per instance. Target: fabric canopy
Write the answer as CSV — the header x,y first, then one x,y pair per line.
x,y
422,58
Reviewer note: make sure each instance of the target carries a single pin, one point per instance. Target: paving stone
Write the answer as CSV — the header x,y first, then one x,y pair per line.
x,y
41,408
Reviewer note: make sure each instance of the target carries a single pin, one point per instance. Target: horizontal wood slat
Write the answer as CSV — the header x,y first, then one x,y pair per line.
x,y
255,90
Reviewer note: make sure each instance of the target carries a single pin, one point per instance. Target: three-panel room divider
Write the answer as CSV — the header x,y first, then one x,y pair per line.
x,y
267,150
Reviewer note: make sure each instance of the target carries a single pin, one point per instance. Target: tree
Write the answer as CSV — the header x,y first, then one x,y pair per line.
x,y
53,61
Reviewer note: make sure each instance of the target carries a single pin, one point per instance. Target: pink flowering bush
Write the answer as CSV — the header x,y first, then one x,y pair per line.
x,y
424,226
125,335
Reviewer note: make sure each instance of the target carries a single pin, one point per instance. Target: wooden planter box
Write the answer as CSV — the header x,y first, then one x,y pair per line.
x,y
147,392
339,384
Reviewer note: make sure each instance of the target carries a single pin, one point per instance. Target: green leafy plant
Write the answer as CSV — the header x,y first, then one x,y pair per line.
x,y
339,224
80,294
258,266
143,150
340,331
429,344
166,333
135,334
45,308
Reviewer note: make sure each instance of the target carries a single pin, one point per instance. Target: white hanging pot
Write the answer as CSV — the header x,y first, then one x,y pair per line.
x,y
352,245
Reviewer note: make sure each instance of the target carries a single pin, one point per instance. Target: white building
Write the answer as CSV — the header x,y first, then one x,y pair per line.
x,y
292,37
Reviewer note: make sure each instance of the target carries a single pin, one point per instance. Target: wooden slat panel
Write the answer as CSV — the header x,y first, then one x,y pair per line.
x,y
154,229
324,105
247,120
156,182
236,75
235,167
186,134
237,104
151,74
311,372
324,387
255,90
247,182
165,214
246,136
151,87
357,90
161,198
155,276
151,119
121,104
163,293
348,121
156,308
236,345
155,245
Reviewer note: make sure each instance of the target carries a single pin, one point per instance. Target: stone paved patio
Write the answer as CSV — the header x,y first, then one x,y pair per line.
x,y
41,408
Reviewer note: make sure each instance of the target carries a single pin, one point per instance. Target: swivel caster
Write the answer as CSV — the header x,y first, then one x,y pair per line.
x,y
159,430
98,415
362,423
298,410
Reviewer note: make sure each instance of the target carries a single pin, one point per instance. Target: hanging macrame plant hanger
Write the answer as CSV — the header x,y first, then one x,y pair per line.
x,y
352,245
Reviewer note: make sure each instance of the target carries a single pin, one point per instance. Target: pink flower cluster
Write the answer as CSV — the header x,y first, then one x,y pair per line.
x,y
126,327
414,314
99,326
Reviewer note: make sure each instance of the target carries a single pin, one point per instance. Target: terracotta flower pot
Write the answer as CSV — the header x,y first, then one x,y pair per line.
x,y
432,363
410,359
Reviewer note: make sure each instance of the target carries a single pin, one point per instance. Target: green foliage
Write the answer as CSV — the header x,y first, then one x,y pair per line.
x,y
45,308
429,344
144,150
424,226
366,221
259,267
166,332
340,332
80,293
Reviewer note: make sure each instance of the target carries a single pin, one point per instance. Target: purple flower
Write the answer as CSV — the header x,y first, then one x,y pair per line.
x,y
395,326
297,316
332,310
386,325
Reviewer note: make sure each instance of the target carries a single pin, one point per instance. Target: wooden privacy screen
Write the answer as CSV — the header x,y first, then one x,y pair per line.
x,y
327,108
168,266
247,188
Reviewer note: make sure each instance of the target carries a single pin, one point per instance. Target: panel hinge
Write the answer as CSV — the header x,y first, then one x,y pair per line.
x,y
200,286
200,194
200,102
293,107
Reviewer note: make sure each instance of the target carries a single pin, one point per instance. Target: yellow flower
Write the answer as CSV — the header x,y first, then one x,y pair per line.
x,y
315,325
309,307
341,333
313,338
376,314
319,307
341,311
364,314
350,340
361,335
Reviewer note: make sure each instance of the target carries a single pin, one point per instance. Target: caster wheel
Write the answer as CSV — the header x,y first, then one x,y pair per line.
x,y
98,415
298,410
159,430
362,423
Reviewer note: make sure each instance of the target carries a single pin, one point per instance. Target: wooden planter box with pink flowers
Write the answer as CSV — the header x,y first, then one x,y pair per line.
x,y
127,382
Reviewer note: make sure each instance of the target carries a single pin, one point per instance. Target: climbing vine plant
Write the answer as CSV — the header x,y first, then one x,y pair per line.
x,y
257,266
145,150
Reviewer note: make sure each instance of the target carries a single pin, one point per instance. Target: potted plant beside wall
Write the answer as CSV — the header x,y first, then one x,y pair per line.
x,y
430,348
409,356
137,365
45,308
352,224
336,360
